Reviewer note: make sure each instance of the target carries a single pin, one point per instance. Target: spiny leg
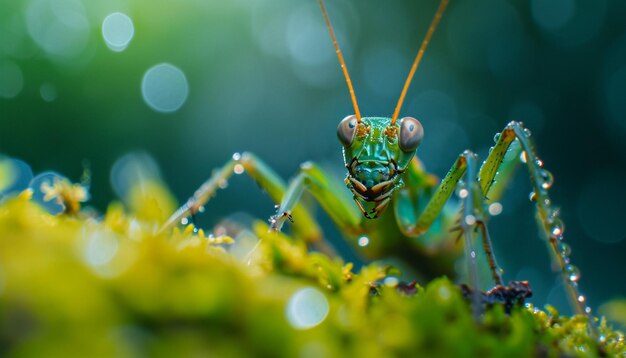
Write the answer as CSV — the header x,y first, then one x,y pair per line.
x,y
465,167
312,178
488,249
264,176
468,222
541,180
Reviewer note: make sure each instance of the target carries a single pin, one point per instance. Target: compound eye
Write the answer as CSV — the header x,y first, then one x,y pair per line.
x,y
411,134
346,130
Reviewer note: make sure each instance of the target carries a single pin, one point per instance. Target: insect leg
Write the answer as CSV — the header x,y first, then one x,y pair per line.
x,y
312,178
409,222
469,199
487,247
541,180
264,176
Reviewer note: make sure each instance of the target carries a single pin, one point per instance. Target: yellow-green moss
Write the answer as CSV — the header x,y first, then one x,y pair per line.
x,y
113,286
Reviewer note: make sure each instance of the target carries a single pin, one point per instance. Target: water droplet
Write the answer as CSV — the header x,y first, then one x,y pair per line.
x,y
573,273
236,156
564,249
581,298
539,163
557,227
463,193
588,310
470,220
307,308
527,131
547,178
532,196
184,221
223,184
523,157
363,241
238,169
201,209
496,137
473,254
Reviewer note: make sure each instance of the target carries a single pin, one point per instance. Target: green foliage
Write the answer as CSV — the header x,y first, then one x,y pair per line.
x,y
75,285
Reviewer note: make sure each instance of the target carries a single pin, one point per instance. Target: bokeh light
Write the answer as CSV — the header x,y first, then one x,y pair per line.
x,y
15,175
263,77
46,178
59,27
553,14
130,170
11,79
117,31
615,97
48,92
307,308
164,88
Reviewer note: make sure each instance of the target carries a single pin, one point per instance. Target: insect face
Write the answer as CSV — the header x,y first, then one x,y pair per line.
x,y
376,153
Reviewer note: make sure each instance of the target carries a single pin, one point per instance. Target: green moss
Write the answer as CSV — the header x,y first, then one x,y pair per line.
x,y
80,286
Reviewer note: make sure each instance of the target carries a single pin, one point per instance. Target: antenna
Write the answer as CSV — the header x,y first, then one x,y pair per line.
x,y
418,58
341,62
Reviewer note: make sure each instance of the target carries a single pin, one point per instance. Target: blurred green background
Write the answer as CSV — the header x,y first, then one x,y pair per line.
x,y
190,82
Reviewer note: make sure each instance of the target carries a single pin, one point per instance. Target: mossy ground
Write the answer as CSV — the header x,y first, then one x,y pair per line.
x,y
76,285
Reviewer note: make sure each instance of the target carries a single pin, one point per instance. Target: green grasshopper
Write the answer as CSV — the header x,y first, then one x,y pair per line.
x,y
384,173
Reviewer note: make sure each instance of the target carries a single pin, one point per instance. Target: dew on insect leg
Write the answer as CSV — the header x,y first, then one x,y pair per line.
x,y
581,298
527,132
496,138
461,190
184,221
557,228
564,249
236,156
223,184
363,241
462,193
201,209
573,273
238,169
532,196
547,179
523,157
539,163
